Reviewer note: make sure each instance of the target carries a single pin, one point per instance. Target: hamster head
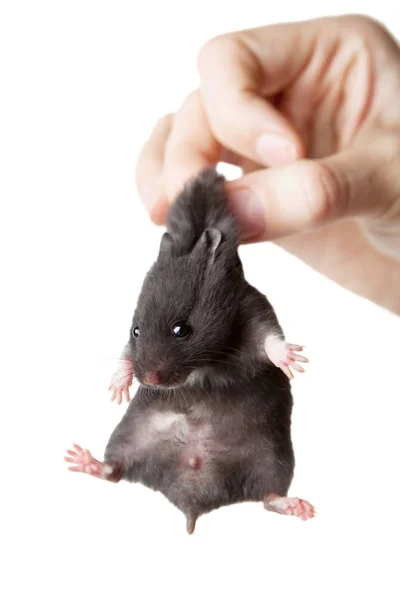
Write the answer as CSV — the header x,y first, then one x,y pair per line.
x,y
186,310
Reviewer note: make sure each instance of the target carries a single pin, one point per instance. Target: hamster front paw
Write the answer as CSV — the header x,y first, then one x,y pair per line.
x,y
121,381
284,355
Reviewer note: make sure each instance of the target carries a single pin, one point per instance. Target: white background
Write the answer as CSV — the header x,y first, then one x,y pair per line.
x,y
82,83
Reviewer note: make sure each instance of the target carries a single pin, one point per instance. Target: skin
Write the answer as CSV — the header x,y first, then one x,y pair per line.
x,y
324,184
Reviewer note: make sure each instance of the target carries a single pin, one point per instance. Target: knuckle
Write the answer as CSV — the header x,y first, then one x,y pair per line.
x,y
364,25
327,192
191,101
211,49
222,116
163,121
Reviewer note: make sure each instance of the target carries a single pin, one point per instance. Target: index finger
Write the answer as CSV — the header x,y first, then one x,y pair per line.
x,y
241,75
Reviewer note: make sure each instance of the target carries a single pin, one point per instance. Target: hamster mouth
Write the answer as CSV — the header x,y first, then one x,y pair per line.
x,y
152,381
162,374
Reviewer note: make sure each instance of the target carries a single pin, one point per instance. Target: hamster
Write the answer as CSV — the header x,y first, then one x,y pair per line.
x,y
210,424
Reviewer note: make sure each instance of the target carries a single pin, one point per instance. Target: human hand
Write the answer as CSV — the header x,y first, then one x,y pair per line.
x,y
316,103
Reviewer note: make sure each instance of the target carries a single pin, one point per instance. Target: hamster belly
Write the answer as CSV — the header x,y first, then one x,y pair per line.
x,y
212,451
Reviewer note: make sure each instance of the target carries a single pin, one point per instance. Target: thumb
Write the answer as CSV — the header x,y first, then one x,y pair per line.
x,y
306,195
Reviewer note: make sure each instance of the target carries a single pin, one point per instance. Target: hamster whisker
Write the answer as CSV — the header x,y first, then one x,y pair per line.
x,y
235,355
226,361
122,378
116,358
234,350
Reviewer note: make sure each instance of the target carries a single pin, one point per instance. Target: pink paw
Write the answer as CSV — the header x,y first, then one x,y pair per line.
x,y
83,462
299,508
121,382
284,355
291,506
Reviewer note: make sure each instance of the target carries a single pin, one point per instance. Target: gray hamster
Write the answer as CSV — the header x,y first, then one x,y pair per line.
x,y
210,424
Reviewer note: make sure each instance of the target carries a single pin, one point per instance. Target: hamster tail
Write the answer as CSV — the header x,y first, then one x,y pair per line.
x,y
202,204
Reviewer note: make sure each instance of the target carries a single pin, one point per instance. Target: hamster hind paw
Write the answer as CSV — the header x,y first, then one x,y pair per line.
x,y
83,462
289,506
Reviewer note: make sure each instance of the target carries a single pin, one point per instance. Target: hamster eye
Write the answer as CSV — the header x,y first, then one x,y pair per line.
x,y
135,332
181,329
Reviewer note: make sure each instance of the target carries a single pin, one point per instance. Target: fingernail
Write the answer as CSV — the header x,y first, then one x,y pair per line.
x,y
274,150
248,209
159,211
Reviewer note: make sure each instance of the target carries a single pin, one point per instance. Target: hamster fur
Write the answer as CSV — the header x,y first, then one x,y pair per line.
x,y
210,424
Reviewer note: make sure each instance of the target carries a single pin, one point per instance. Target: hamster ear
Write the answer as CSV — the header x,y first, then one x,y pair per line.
x,y
212,238
208,243
166,246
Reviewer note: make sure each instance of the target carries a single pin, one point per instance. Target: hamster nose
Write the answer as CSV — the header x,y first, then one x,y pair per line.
x,y
152,378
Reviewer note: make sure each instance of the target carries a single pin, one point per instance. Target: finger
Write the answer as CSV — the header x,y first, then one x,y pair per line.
x,y
287,371
158,212
127,397
69,459
72,453
238,72
275,203
297,368
191,145
149,169
294,347
78,448
298,357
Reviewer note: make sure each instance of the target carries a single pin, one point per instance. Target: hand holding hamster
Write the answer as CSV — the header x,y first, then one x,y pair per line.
x,y
313,102
210,423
